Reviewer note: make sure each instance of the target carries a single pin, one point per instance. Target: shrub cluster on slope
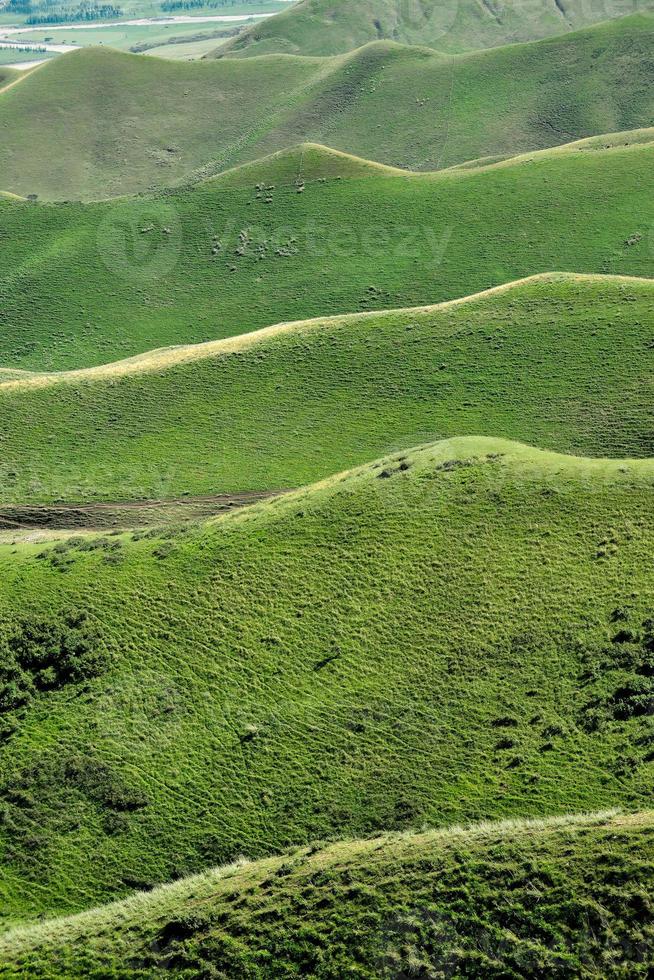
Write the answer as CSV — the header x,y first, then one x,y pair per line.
x,y
38,655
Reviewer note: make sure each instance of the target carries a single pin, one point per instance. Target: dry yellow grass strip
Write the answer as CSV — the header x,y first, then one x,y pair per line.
x,y
24,72
627,140
199,887
163,358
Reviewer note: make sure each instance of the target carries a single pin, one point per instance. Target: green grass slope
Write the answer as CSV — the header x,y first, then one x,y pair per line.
x,y
303,163
324,27
86,284
565,897
393,646
7,76
564,362
412,108
116,123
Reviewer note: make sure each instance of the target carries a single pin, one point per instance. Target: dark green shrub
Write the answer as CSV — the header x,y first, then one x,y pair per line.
x,y
42,654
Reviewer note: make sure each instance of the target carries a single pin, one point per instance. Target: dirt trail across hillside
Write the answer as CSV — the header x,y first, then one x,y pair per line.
x,y
123,514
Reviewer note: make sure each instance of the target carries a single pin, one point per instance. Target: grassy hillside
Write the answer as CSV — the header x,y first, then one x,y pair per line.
x,y
542,94
394,646
7,76
86,284
116,123
324,27
465,900
297,165
326,496
564,362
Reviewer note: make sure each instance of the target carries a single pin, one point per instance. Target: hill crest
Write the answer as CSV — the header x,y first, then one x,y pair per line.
x,y
321,27
301,163
225,629
178,121
226,410
165,357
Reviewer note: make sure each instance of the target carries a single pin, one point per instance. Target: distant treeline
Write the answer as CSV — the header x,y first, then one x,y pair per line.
x,y
19,7
69,15
169,5
23,49
221,33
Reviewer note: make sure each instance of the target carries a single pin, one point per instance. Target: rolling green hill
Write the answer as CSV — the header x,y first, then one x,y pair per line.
x,y
324,27
117,123
564,362
566,897
396,645
326,497
86,284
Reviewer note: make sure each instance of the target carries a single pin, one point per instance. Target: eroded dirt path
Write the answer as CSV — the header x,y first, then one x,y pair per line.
x,y
123,514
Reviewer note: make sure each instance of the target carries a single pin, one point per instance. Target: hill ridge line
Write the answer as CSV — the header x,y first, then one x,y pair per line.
x,y
164,357
322,148
474,165
137,900
298,28
458,169
388,44
476,448
287,126
524,458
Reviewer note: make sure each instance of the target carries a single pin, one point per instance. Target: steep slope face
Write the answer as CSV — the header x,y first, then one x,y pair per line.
x,y
323,27
412,108
86,284
564,362
121,124
396,646
459,902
